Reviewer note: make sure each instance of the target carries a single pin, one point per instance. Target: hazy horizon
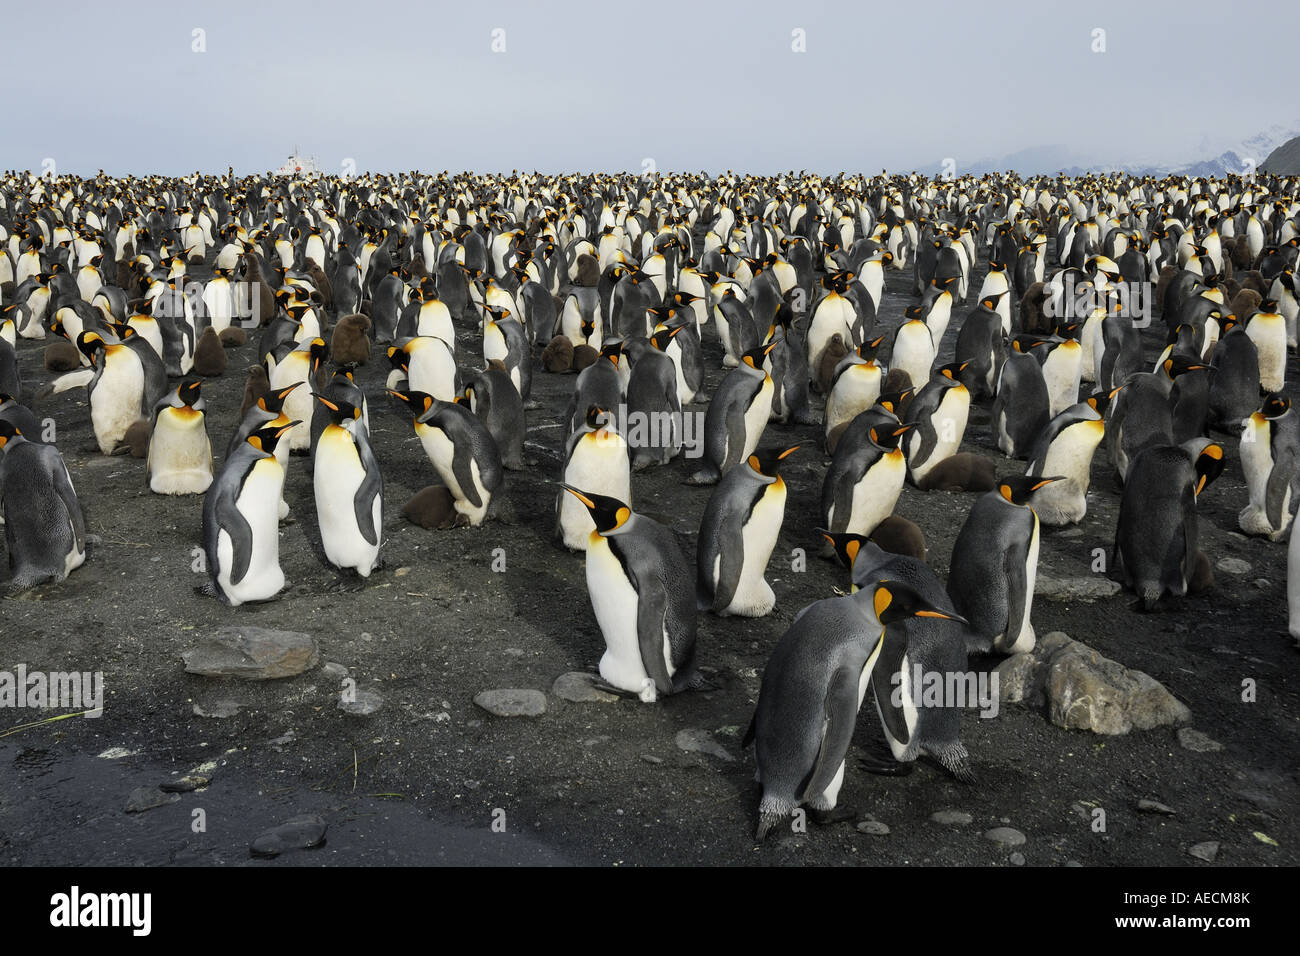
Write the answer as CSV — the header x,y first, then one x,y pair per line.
x,y
583,86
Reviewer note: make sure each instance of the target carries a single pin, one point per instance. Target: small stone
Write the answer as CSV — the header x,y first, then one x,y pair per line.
x,y
360,702
512,702
956,818
367,636
147,798
595,741
1262,584
1197,742
219,709
579,687
186,784
302,832
652,759
1017,859
693,740
1154,806
334,669
1206,851
252,653
401,572
514,652
873,827
1006,836
1233,566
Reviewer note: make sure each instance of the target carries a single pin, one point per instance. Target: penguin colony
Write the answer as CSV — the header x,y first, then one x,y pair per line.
x,y
462,288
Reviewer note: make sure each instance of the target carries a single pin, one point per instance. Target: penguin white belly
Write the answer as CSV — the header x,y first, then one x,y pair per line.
x,y
1256,465
220,306
756,417
599,466
616,605
257,503
1062,373
432,369
338,474
907,695
298,406
115,402
754,596
1269,336
180,455
435,321
1069,455
876,494
914,353
938,319
729,359
949,423
1023,629
684,393
854,392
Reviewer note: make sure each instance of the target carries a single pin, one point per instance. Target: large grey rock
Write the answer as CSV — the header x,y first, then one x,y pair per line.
x,y
1207,851
579,687
252,653
512,703
1197,742
1083,589
1082,690
303,832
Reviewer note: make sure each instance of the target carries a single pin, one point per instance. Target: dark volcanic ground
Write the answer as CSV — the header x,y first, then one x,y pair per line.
x,y
603,783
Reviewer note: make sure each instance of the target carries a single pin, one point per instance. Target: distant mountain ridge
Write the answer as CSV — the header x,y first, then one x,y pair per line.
x,y
1239,158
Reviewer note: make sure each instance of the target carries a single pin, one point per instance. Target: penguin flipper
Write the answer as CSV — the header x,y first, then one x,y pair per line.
x,y
1016,583
731,560
884,679
63,488
651,630
460,466
1279,481
841,712
363,502
232,521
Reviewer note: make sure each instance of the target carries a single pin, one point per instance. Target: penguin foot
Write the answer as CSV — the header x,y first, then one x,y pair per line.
x,y
886,768
826,818
346,584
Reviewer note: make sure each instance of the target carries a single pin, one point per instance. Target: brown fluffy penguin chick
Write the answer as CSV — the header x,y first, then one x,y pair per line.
x,y
1254,279
1241,253
136,440
961,472
350,344
1245,302
558,355
1202,578
432,507
62,357
255,386
584,356
321,282
209,354
831,355
898,381
899,536
232,337
588,271
1031,309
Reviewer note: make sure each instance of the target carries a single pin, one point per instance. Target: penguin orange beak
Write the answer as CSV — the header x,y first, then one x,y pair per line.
x,y
943,616
579,495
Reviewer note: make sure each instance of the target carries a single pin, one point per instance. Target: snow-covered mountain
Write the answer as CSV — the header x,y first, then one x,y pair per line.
x,y
1220,157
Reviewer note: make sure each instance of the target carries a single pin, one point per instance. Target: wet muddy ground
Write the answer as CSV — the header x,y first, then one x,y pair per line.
x,y
424,779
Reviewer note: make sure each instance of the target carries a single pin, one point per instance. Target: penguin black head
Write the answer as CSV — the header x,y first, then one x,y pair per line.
x,y
1177,365
755,357
914,313
608,513
846,544
1018,488
8,431
89,344
274,401
1275,406
888,438
1208,465
952,370
397,357
767,461
340,411
266,438
417,402
894,601
188,392
597,417
893,401
867,350
612,351
661,338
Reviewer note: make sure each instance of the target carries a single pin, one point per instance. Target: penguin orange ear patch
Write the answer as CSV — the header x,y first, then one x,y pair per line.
x,y
881,601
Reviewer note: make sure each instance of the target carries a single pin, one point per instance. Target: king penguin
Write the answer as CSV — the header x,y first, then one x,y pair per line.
x,y
461,450
813,686
994,564
349,491
639,583
180,454
45,533
596,459
736,417
737,534
1270,463
241,536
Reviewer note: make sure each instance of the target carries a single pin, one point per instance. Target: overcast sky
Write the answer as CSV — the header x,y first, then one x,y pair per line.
x,y
704,84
